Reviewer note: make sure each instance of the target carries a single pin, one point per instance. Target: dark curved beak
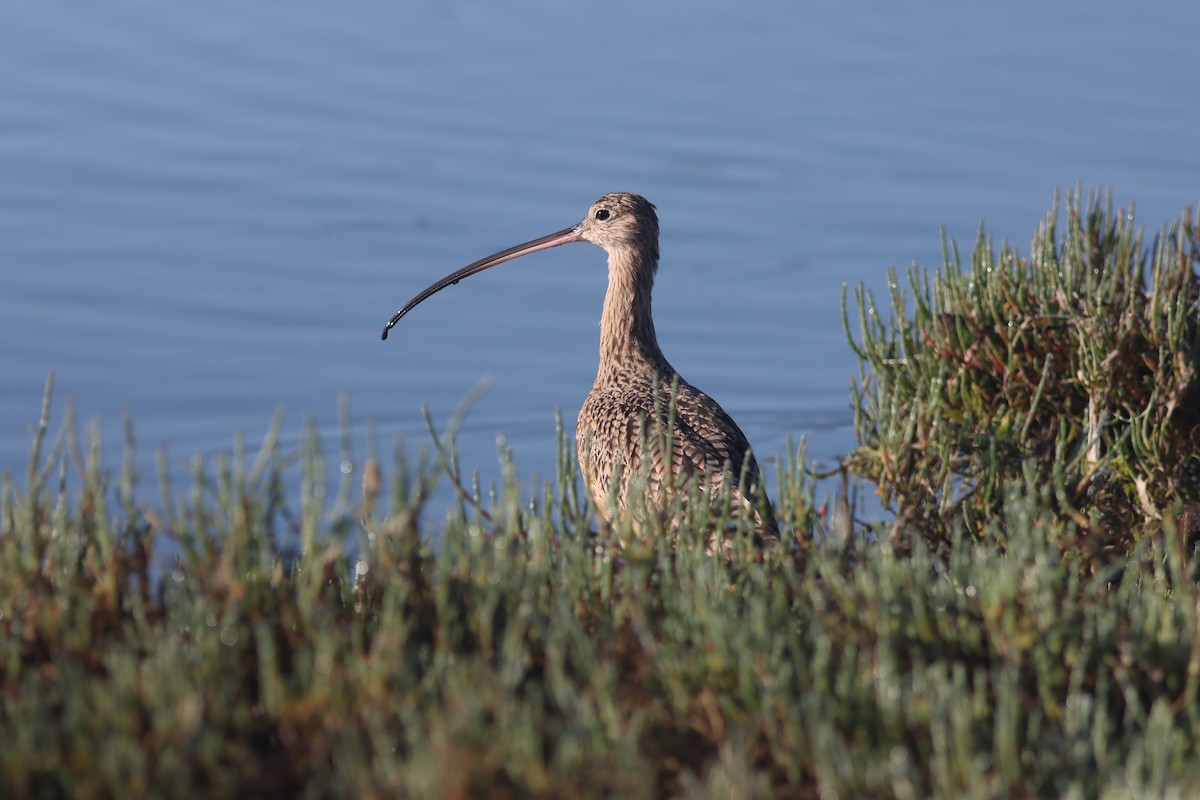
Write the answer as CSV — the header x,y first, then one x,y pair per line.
x,y
565,236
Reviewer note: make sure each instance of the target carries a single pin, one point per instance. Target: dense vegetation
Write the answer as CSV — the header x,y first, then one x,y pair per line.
x,y
1028,623
1072,371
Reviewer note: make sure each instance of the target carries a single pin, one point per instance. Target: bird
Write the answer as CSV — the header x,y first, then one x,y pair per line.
x,y
643,431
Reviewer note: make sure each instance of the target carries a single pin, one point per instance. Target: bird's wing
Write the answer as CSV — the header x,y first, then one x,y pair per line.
x,y
633,431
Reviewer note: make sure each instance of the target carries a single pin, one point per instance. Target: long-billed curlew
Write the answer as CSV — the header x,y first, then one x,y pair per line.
x,y
642,425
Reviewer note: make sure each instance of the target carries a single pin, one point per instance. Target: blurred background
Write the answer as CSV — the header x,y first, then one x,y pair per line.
x,y
209,210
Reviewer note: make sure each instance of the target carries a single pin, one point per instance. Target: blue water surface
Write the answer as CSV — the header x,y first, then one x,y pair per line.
x,y
208,210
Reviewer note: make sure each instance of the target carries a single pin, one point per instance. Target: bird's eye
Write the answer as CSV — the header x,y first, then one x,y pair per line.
x,y
602,214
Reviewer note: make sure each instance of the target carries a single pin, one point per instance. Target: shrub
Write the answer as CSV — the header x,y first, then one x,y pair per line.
x,y
1071,372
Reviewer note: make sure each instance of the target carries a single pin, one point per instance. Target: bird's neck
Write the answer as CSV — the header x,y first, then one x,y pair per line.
x,y
627,339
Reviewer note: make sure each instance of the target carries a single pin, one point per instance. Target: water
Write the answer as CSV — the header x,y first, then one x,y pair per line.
x,y
208,210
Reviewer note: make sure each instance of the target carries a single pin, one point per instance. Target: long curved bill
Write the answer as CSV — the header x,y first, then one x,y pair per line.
x,y
565,236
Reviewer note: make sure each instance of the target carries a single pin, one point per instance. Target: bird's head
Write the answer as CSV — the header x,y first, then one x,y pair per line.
x,y
624,224
622,221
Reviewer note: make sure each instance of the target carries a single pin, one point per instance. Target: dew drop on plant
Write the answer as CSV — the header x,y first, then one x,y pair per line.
x,y
899,752
229,636
970,590
360,568
346,467
177,575
473,530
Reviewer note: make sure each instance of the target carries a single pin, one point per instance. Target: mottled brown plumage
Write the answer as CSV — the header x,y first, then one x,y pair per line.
x,y
627,439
